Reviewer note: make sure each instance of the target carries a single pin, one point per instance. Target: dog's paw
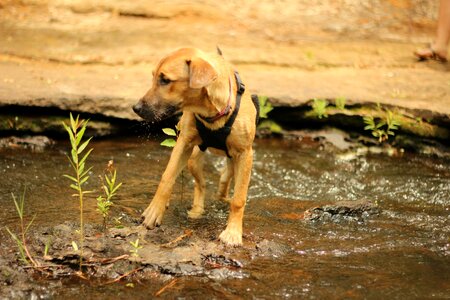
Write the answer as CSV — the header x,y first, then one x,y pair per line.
x,y
224,199
195,212
153,215
231,237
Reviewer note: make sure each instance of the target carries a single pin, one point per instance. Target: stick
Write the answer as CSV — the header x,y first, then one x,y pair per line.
x,y
169,285
42,267
124,275
186,234
109,260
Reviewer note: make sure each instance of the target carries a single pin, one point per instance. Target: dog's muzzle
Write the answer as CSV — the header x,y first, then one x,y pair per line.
x,y
154,113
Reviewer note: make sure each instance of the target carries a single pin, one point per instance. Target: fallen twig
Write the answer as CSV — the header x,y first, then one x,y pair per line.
x,y
167,286
81,275
43,267
124,275
109,260
187,233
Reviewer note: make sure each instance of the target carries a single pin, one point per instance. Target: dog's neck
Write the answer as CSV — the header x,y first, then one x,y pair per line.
x,y
226,110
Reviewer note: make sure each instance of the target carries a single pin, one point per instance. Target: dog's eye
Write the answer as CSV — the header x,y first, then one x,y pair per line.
x,y
164,80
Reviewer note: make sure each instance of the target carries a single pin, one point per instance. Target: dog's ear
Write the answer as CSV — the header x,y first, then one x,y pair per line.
x,y
201,73
219,51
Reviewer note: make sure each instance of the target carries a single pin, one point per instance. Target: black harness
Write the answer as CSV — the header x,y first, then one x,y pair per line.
x,y
217,138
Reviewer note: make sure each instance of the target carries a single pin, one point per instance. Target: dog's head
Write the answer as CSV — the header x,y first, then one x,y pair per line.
x,y
180,81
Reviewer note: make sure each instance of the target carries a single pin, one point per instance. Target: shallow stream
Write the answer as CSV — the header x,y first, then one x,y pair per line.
x,y
404,253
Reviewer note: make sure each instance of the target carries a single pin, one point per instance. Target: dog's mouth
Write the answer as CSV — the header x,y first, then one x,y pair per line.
x,y
155,113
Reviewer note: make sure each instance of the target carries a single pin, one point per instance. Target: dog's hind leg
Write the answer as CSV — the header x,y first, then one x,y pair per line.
x,y
225,181
195,165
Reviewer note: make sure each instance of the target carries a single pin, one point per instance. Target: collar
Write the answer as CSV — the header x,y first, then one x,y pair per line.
x,y
224,111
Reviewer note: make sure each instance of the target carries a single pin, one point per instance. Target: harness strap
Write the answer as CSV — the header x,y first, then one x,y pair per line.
x,y
217,138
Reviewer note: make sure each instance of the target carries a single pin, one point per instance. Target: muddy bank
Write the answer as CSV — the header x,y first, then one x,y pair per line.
x,y
109,257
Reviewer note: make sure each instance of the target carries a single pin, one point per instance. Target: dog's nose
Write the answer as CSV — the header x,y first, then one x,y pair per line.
x,y
137,108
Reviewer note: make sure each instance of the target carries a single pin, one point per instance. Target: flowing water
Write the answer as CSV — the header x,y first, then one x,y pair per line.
x,y
403,253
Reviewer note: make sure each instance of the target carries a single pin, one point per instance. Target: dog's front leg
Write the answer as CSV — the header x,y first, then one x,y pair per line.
x,y
242,164
178,159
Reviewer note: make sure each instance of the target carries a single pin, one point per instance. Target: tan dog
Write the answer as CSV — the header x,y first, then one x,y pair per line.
x,y
205,88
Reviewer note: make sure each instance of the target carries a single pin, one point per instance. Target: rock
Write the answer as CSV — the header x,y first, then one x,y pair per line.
x,y
36,143
342,210
216,261
271,248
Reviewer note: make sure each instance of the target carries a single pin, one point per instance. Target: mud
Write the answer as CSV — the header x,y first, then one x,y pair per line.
x,y
107,256
167,250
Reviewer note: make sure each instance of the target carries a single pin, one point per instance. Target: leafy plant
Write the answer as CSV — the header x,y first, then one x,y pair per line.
x,y
264,107
76,130
135,248
319,107
21,241
392,122
170,142
109,189
340,103
384,127
271,126
375,127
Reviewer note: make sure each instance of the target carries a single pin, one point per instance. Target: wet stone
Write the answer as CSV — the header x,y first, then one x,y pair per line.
x,y
271,248
36,143
342,211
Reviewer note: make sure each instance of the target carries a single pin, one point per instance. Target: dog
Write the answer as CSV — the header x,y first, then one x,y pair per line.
x,y
218,115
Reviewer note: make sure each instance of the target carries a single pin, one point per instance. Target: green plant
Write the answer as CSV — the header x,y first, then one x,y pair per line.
x,y
135,248
76,131
319,107
392,122
270,125
170,142
340,103
375,127
109,189
47,247
118,222
264,107
385,125
21,242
